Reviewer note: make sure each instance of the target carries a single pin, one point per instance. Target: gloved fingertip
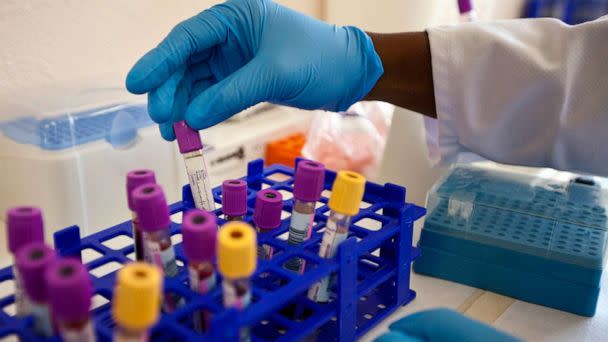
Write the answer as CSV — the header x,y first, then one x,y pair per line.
x,y
133,81
396,336
160,107
166,131
197,116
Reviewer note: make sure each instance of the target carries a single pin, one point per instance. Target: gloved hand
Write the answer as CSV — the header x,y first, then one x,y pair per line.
x,y
242,52
440,325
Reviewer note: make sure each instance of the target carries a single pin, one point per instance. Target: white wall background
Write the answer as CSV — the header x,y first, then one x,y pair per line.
x,y
43,42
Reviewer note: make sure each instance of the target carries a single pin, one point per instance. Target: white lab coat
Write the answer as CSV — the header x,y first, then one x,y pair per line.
x,y
531,92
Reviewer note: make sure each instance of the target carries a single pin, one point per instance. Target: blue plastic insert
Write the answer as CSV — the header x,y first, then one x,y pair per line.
x,y
117,124
531,238
372,267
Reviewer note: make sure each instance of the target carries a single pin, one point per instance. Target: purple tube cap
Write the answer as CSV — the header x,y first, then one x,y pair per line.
x,y
199,231
268,207
465,6
32,261
151,207
136,178
23,225
188,139
234,197
69,289
309,179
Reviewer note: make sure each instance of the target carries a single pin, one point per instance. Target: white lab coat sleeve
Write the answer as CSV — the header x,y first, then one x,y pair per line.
x,y
528,91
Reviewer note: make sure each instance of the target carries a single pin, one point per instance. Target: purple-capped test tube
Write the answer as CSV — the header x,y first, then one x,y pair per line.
x,y
199,231
467,13
191,148
267,217
136,178
32,262
307,188
154,223
234,199
23,225
69,290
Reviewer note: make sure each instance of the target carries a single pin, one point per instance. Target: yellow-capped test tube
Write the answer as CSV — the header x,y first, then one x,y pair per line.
x,y
236,261
136,302
346,195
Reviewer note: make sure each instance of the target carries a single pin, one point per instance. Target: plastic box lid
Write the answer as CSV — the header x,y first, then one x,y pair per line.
x,y
561,216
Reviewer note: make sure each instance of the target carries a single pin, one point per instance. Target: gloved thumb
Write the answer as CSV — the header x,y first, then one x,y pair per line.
x,y
242,89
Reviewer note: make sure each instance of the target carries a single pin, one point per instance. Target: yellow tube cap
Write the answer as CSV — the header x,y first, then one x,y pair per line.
x,y
347,193
137,296
236,250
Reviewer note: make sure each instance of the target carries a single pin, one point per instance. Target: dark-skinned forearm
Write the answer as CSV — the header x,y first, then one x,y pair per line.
x,y
408,76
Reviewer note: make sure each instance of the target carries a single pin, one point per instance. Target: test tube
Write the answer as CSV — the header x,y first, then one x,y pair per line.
x,y
136,178
346,195
467,13
191,148
307,188
236,261
23,225
199,231
267,217
69,289
154,222
136,301
32,261
234,199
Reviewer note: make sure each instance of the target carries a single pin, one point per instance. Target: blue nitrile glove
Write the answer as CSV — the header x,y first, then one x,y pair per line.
x,y
439,325
242,52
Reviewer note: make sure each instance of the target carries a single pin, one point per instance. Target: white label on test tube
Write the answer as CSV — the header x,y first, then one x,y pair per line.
x,y
42,319
319,292
22,305
200,184
85,334
299,229
164,259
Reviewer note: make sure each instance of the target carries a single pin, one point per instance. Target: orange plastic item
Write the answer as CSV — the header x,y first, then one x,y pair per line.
x,y
284,151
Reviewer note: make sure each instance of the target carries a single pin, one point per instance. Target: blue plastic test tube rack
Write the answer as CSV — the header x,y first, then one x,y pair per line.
x,y
372,266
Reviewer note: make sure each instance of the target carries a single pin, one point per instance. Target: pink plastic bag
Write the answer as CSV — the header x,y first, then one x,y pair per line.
x,y
350,141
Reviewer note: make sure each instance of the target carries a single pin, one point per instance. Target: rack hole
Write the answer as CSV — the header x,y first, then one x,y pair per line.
x,y
381,306
7,287
131,255
286,194
176,238
369,224
279,177
368,316
285,214
283,236
177,217
105,269
89,254
98,301
118,242
10,309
